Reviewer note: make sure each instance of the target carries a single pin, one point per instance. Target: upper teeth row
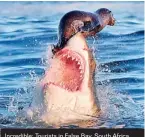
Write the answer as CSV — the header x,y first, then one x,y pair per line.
x,y
78,62
73,58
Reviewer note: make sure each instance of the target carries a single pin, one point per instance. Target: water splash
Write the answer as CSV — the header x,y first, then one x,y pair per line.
x,y
117,110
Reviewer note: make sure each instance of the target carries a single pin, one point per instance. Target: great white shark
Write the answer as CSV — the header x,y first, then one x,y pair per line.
x,y
67,93
68,85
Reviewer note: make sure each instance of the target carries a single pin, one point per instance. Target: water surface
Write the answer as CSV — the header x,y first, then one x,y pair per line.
x,y
28,28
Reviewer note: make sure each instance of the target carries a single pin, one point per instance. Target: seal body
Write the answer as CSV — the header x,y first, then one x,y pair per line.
x,y
76,21
80,21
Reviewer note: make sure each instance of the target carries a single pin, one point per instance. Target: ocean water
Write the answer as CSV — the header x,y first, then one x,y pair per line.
x,y
28,28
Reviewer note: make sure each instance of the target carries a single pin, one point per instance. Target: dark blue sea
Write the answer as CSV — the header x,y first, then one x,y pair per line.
x,y
28,28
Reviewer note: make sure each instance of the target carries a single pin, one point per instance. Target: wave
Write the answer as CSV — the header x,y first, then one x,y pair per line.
x,y
123,65
21,62
126,80
137,33
30,37
133,34
51,35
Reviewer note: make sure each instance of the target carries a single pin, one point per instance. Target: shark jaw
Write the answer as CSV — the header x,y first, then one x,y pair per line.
x,y
68,89
66,71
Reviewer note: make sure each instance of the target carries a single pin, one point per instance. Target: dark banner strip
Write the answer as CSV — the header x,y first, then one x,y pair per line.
x,y
72,133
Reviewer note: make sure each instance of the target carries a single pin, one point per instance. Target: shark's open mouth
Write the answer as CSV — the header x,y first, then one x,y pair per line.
x,y
67,70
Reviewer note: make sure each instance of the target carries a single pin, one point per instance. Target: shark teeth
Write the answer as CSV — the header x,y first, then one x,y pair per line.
x,y
81,72
80,68
73,58
77,88
64,55
68,56
78,63
76,60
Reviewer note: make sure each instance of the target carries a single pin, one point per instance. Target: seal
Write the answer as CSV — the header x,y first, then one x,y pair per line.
x,y
85,22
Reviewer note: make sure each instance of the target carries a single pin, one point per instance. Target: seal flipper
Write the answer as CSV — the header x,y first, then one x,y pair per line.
x,y
77,25
90,26
85,26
